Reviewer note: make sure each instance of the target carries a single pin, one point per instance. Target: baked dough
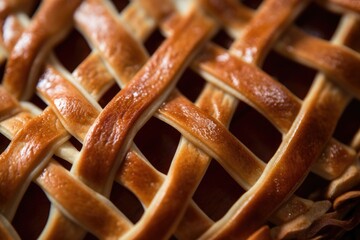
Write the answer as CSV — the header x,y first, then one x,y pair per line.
x,y
74,132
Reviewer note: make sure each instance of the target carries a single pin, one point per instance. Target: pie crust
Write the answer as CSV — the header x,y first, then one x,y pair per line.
x,y
174,119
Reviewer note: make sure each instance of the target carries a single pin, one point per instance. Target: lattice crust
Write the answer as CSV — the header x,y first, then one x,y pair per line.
x,y
65,137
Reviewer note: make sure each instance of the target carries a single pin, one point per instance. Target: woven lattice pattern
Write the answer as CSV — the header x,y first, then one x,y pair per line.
x,y
148,119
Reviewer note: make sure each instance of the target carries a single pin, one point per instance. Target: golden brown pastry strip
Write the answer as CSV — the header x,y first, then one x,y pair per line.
x,y
94,76
69,104
250,84
49,25
9,106
11,126
27,153
118,42
263,30
338,63
74,198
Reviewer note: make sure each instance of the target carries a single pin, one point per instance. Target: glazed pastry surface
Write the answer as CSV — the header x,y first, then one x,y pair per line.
x,y
175,119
